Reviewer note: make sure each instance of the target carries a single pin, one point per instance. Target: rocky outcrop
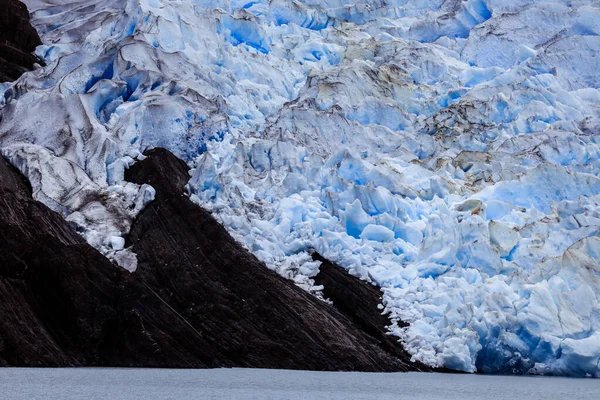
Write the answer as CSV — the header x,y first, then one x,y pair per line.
x,y
359,301
197,299
63,304
248,315
18,39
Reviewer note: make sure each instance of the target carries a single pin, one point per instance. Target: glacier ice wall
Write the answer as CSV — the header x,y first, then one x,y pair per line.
x,y
447,150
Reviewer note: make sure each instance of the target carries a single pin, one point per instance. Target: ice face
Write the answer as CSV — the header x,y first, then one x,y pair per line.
x,y
444,150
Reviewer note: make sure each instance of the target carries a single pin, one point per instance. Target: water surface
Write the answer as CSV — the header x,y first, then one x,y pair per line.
x,y
128,384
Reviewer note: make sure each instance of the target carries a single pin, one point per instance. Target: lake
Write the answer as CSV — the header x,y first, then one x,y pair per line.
x,y
128,384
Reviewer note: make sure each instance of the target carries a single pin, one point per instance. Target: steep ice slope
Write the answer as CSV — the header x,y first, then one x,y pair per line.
x,y
446,150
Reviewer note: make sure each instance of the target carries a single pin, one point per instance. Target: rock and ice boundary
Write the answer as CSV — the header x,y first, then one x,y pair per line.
x,y
446,150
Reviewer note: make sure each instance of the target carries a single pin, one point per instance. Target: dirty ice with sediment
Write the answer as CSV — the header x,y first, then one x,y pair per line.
x,y
445,150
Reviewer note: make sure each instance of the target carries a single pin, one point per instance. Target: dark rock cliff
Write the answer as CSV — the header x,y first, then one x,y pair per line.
x,y
18,39
359,301
63,304
247,314
197,299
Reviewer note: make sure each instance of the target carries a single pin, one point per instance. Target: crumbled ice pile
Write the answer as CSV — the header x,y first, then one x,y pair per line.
x,y
445,149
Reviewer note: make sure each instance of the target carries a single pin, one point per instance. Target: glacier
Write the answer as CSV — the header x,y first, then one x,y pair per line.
x,y
445,150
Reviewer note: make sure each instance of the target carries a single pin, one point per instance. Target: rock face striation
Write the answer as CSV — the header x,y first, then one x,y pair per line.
x,y
359,301
18,39
197,298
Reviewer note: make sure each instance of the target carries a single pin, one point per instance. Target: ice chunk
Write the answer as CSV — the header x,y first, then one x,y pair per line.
x,y
503,237
117,243
377,233
356,219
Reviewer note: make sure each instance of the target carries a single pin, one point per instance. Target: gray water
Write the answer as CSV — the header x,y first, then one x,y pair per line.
x,y
128,384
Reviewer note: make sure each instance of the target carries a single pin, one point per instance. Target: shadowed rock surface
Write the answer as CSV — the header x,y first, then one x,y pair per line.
x,y
197,299
63,304
359,301
248,314
18,39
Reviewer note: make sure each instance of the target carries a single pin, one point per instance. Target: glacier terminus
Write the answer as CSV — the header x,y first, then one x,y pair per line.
x,y
447,151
